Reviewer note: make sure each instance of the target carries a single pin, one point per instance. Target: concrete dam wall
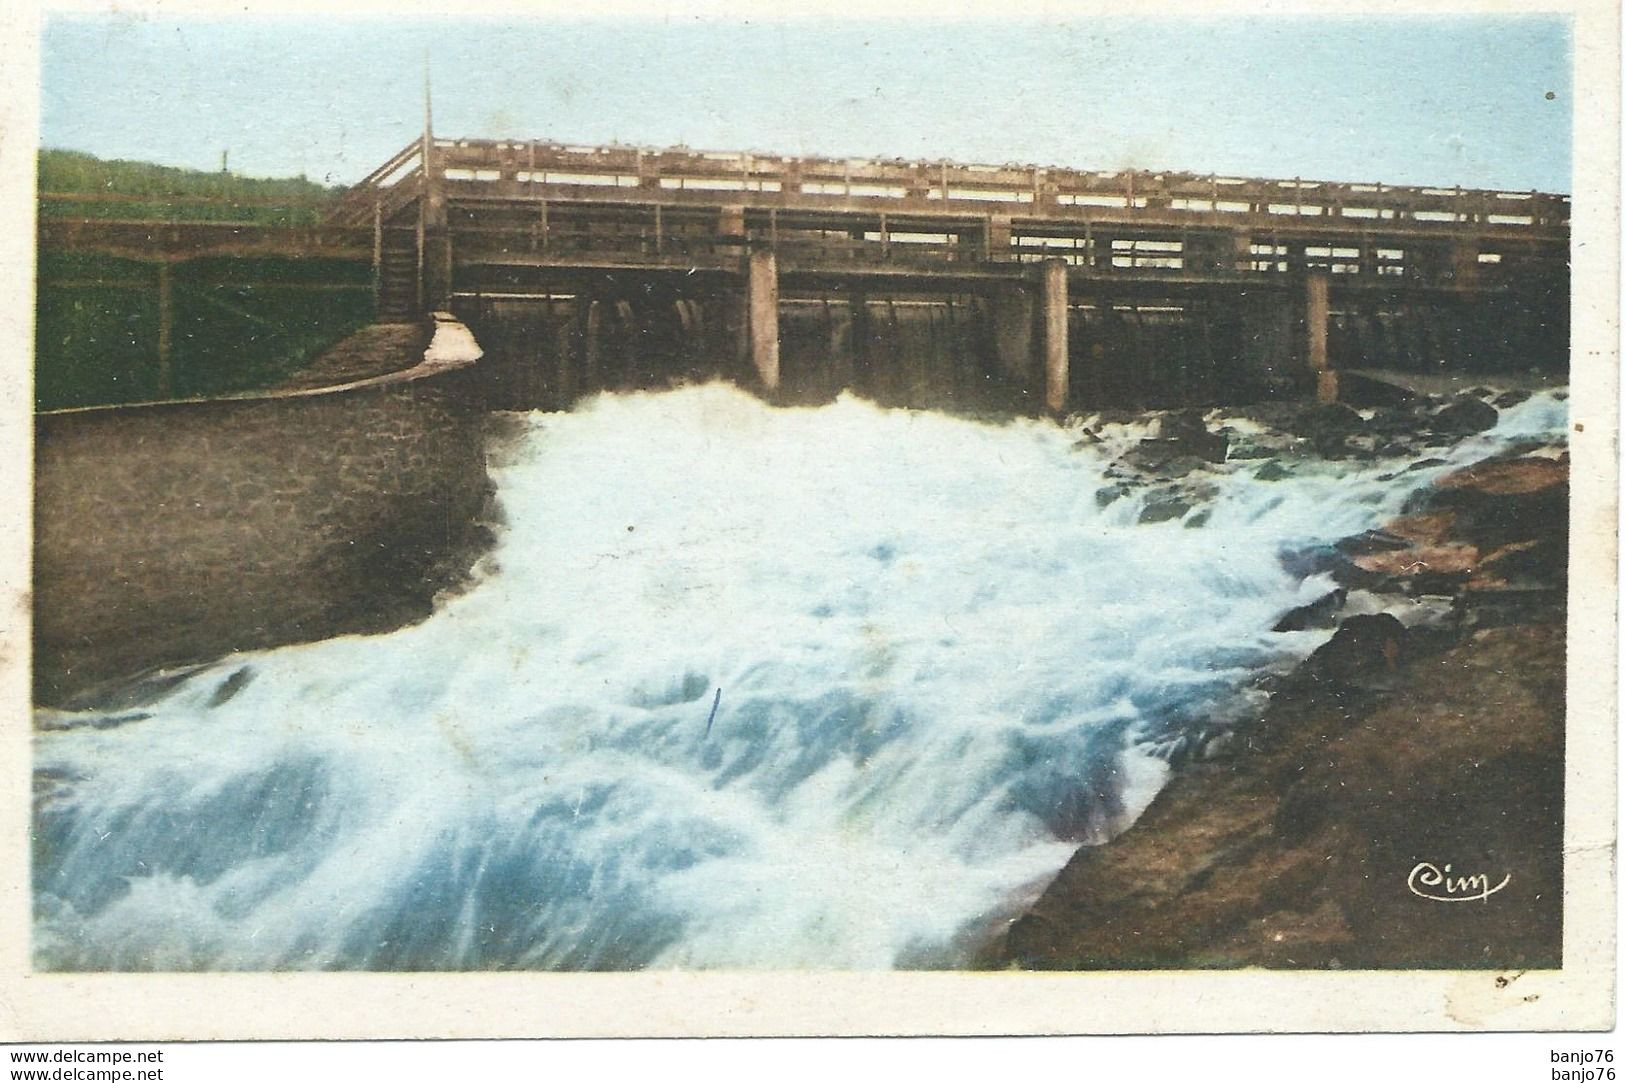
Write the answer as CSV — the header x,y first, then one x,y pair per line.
x,y
172,533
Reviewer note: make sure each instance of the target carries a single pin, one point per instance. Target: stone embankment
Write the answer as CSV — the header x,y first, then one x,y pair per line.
x,y
173,533
1403,770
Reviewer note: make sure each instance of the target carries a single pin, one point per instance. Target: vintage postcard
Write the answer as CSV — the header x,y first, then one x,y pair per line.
x,y
1028,520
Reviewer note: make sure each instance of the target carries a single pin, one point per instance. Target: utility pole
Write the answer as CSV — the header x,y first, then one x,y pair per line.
x,y
434,271
428,105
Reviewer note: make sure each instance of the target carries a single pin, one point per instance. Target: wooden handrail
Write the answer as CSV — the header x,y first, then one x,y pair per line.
x,y
356,207
1040,185
400,159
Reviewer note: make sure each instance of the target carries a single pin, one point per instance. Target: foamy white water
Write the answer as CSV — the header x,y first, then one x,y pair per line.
x,y
940,665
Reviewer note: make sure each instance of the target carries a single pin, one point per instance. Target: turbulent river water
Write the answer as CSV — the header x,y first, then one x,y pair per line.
x,y
738,687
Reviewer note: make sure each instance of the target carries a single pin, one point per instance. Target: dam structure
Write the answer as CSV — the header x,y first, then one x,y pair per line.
x,y
925,282
921,283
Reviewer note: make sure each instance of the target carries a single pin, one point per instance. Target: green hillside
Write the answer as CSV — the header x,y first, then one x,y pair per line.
x,y
189,194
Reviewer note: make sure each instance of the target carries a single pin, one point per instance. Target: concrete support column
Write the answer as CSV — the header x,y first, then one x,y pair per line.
x,y
1057,374
1317,319
998,237
762,298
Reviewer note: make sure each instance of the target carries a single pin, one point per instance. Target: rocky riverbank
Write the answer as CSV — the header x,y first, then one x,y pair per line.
x,y
1398,803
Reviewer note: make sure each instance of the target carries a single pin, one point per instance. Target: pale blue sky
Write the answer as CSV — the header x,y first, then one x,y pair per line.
x,y
1425,100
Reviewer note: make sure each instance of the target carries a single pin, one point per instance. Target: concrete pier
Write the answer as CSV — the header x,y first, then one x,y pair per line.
x,y
1057,373
762,291
1317,315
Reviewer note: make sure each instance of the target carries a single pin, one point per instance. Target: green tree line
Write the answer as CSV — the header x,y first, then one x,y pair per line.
x,y
176,194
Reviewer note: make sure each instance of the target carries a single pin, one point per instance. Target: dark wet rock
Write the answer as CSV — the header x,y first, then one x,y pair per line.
x,y
1201,742
1320,613
54,723
1510,605
1309,560
1218,745
1423,569
1183,466
1272,471
1327,560
1365,446
1110,494
1508,476
1541,560
1326,419
1174,501
1162,458
1199,519
1186,429
1501,501
1425,464
1464,416
1361,647
229,687
1164,507
1509,398
1428,528
1402,426
1327,427
1272,414
142,690
1364,391
1424,581
1370,541
1512,509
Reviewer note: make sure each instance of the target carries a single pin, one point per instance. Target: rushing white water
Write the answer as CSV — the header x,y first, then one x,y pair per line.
x,y
940,662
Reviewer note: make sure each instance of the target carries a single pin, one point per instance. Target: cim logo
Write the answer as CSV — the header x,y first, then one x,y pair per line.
x,y
1429,881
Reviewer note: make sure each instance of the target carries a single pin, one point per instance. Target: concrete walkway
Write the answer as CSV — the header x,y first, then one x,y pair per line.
x,y
375,350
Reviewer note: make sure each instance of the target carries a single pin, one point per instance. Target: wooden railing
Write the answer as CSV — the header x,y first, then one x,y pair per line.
x,y
384,191
631,172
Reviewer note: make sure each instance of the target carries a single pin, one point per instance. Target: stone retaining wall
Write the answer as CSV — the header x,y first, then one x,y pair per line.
x,y
178,532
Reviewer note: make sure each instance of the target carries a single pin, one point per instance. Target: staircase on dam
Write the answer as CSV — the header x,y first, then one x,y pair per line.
x,y
397,276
